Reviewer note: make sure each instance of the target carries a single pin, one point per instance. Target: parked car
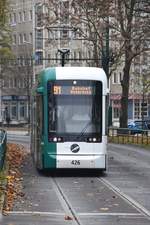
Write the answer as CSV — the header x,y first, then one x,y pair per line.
x,y
139,126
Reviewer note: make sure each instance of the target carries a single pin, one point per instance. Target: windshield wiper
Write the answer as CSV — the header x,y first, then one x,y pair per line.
x,y
83,130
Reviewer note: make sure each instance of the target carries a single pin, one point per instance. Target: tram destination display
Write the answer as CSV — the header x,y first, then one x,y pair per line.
x,y
73,87
72,90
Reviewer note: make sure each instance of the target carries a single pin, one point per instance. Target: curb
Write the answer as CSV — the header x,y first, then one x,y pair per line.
x,y
22,133
4,185
2,198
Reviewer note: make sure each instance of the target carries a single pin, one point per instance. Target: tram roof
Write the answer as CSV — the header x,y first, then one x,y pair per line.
x,y
78,73
89,73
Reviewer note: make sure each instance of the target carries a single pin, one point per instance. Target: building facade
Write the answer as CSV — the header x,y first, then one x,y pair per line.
x,y
139,93
41,39
18,70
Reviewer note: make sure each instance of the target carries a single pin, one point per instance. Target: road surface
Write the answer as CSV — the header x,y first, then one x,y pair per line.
x,y
122,197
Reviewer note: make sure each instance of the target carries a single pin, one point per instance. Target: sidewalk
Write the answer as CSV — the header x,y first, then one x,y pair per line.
x,y
17,132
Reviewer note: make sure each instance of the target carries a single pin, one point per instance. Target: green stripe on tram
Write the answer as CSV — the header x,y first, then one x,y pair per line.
x,y
50,155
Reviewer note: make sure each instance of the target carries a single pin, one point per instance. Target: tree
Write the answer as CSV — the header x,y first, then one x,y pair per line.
x,y
4,42
131,23
117,31
89,21
5,39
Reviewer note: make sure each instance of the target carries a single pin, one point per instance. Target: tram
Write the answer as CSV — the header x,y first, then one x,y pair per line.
x,y
69,114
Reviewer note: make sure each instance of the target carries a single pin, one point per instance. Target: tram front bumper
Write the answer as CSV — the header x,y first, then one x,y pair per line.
x,y
81,161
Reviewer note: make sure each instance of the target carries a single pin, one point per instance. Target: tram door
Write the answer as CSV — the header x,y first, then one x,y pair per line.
x,y
39,127
33,136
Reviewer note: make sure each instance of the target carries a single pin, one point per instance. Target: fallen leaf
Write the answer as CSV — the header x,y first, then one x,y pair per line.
x,y
14,157
68,217
104,209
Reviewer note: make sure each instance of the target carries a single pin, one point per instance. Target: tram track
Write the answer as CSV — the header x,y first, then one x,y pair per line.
x,y
141,211
68,208
127,198
77,213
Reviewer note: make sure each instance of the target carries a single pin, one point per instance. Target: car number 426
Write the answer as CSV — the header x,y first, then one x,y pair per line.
x,y
75,162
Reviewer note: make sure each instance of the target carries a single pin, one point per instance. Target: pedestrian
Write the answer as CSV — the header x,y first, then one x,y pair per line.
x,y
8,120
7,116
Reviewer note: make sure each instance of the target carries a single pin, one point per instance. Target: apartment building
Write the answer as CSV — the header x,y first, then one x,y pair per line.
x,y
18,73
139,92
38,41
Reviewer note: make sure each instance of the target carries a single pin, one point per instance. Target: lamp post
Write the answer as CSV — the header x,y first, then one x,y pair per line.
x,y
0,96
63,52
29,74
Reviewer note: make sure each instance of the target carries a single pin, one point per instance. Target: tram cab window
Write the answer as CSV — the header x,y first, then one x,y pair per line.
x,y
39,115
72,114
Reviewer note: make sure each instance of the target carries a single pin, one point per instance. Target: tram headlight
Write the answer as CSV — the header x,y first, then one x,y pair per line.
x,y
59,139
55,139
90,139
93,139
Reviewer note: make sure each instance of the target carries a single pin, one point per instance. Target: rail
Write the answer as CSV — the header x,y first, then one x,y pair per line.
x,y
3,141
128,136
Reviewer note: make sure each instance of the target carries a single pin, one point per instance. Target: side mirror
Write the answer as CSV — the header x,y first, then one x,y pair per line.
x,y
40,90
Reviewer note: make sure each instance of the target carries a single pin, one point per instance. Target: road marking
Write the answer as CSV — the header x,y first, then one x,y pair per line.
x,y
65,202
130,200
36,213
111,214
79,214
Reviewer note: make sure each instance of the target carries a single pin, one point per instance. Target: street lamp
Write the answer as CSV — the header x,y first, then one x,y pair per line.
x,y
0,96
64,52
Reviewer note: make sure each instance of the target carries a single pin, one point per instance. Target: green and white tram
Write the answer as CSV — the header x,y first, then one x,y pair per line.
x,y
69,118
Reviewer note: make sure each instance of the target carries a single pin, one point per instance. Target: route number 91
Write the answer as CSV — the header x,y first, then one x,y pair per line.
x,y
75,162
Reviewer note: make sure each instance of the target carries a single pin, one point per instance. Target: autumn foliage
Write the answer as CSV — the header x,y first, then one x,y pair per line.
x,y
14,157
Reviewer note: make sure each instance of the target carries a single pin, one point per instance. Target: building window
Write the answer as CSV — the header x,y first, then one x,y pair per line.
x,y
10,18
30,15
56,56
116,113
23,82
119,78
75,55
39,39
64,34
39,58
30,37
140,109
137,110
20,17
144,109
15,82
24,37
9,83
14,39
65,12
39,12
89,55
14,110
80,55
20,39
19,83
14,18
24,16
114,78
22,110
49,58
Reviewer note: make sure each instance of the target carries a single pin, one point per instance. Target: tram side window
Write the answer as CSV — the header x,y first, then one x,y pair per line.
x,y
40,113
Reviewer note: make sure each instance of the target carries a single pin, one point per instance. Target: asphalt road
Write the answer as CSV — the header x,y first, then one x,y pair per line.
x,y
122,197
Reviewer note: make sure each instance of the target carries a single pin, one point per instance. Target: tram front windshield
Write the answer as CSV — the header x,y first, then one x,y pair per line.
x,y
74,109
